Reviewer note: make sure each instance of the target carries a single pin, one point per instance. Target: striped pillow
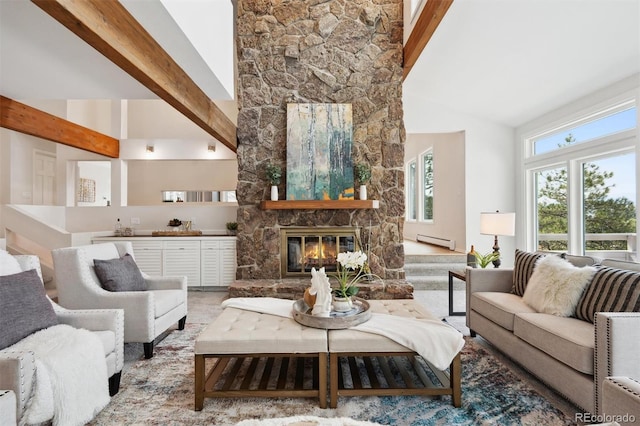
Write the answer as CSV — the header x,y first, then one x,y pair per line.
x,y
611,290
522,270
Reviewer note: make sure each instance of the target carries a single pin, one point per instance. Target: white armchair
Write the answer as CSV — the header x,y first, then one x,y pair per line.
x,y
147,314
17,368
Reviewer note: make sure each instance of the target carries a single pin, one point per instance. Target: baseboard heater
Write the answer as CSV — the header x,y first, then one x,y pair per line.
x,y
444,242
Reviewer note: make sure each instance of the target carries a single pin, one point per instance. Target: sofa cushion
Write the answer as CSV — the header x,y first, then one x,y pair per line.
x,y
24,307
499,307
8,264
556,285
610,290
120,274
524,265
569,340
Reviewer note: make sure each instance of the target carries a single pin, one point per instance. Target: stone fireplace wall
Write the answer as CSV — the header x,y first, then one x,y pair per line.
x,y
315,51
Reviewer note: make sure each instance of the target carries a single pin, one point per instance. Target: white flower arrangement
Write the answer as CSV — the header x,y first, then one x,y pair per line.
x,y
349,262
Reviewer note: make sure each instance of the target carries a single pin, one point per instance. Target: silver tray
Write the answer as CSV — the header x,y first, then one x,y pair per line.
x,y
360,313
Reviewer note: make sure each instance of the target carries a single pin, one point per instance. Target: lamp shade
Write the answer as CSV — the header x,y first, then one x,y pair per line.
x,y
496,223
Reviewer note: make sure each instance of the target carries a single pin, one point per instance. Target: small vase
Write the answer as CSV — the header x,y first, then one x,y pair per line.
x,y
274,192
342,304
363,192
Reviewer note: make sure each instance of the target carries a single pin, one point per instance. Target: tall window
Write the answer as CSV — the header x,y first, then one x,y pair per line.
x,y
427,174
583,185
419,178
412,194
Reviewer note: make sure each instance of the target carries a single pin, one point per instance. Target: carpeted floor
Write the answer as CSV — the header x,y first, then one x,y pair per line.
x,y
160,390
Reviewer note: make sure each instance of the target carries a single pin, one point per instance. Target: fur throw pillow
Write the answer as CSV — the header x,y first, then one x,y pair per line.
x,y
555,287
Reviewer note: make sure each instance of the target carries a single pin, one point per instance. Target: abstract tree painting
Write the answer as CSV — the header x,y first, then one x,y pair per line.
x,y
319,140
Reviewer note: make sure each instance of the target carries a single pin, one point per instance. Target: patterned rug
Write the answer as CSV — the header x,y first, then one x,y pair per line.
x,y
159,391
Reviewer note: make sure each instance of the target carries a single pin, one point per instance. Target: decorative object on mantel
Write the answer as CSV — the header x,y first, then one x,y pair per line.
x,y
497,224
363,175
274,174
319,145
232,228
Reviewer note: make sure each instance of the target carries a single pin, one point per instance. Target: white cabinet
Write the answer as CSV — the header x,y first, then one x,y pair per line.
x,y
218,263
205,261
148,256
182,258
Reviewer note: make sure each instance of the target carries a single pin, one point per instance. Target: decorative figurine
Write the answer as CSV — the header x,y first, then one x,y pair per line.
x,y
321,288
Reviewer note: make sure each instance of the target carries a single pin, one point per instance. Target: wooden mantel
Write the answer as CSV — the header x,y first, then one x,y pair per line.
x,y
319,204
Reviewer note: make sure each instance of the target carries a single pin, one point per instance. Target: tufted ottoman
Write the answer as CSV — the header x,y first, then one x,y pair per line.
x,y
369,364
249,354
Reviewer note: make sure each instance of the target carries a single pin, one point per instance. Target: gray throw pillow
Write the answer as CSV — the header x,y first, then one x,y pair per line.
x,y
120,274
24,307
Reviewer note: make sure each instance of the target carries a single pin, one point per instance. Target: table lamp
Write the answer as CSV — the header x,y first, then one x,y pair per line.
x,y
496,223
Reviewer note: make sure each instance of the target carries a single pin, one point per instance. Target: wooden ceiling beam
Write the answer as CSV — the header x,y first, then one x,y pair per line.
x,y
25,119
429,19
109,28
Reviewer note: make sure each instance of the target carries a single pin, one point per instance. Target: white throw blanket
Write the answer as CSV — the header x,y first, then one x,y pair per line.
x,y
434,340
71,383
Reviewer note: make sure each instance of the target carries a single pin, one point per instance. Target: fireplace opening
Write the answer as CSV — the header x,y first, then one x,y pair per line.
x,y
316,247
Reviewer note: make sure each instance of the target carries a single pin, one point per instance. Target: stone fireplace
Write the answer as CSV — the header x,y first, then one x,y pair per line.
x,y
319,51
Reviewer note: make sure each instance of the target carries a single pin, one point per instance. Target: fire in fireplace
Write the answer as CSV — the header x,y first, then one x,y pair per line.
x,y
316,247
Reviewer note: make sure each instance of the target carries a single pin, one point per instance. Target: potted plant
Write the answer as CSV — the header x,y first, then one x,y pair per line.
x,y
349,262
363,175
274,174
485,259
232,228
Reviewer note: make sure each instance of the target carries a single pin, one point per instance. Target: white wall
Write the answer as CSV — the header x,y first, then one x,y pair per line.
x,y
449,186
205,217
490,165
100,172
147,179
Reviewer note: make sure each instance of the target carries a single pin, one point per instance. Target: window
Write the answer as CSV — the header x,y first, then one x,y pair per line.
x,y
582,185
427,173
412,205
419,178
578,133
551,209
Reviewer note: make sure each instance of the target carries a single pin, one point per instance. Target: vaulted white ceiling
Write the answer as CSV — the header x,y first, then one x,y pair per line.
x,y
509,61
506,61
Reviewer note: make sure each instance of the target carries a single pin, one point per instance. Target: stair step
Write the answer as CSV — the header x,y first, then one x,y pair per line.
x,y
435,258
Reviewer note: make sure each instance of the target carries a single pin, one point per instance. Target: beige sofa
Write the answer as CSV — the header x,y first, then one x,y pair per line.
x,y
571,355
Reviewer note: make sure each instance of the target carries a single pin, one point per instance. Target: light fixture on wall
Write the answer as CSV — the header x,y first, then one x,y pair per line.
x,y
496,223
150,148
211,147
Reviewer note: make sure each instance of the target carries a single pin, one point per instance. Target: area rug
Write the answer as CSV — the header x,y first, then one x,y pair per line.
x,y
306,421
159,391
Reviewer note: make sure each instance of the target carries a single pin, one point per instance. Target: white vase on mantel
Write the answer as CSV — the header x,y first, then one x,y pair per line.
x,y
363,192
274,192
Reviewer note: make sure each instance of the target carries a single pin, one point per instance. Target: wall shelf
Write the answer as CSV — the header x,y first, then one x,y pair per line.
x,y
319,204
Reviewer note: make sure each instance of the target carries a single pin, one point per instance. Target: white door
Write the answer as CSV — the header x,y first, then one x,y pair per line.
x,y
44,178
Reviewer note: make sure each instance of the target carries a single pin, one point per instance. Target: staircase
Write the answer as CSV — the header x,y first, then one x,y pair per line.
x,y
431,271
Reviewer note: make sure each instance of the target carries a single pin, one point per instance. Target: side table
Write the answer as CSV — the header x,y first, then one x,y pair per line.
x,y
462,277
